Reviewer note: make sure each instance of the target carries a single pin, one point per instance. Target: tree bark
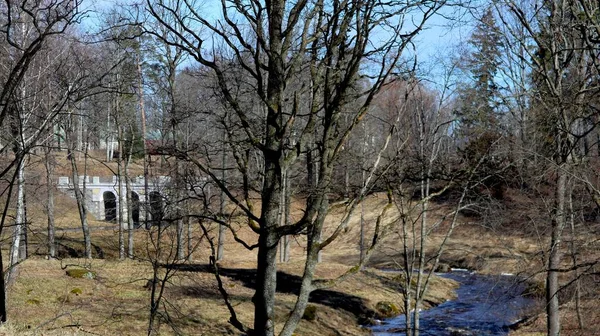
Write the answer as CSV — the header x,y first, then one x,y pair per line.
x,y
286,216
3,316
129,195
120,195
49,164
222,204
19,219
266,283
80,197
555,255
266,271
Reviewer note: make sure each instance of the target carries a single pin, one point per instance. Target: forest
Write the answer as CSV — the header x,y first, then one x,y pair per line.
x,y
296,167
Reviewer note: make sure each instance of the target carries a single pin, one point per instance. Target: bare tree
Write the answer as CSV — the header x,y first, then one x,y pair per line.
x,y
323,46
555,41
48,20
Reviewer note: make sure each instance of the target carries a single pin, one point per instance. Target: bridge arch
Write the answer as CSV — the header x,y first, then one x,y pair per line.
x,y
156,207
110,206
135,209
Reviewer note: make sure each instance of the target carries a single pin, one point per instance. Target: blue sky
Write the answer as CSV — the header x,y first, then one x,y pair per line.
x,y
440,41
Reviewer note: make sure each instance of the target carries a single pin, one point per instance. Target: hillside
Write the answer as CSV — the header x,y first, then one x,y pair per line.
x,y
44,300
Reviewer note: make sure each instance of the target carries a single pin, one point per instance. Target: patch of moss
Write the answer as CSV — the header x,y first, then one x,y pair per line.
x,y
81,273
401,280
193,320
535,289
63,299
33,302
310,313
130,294
76,291
387,309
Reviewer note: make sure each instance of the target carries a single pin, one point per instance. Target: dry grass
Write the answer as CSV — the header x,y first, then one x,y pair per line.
x,y
45,301
41,301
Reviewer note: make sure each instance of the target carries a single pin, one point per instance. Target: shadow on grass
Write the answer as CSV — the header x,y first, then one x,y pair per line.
x,y
288,284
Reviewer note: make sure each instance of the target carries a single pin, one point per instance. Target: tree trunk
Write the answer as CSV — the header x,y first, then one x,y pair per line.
x,y
287,210
120,195
266,282
268,240
190,232
80,197
146,155
2,291
420,292
109,153
129,196
408,268
24,248
50,201
282,219
180,232
312,260
19,227
180,238
155,291
554,258
574,260
222,204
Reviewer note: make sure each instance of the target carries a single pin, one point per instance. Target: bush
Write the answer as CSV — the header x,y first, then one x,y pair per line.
x,y
535,289
310,313
387,309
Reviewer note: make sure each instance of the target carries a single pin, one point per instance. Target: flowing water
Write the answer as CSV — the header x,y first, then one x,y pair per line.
x,y
486,305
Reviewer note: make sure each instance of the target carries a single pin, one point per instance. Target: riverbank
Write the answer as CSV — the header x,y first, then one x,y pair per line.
x,y
42,300
485,305
45,300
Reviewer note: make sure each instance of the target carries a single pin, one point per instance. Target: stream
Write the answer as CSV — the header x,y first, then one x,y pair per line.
x,y
486,305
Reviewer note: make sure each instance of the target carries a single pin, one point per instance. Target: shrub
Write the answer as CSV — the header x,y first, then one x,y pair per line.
x,y
387,309
310,313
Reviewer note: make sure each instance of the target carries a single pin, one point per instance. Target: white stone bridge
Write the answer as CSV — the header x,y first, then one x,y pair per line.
x,y
102,196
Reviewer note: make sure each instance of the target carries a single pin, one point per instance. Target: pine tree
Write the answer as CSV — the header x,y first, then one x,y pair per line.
x,y
478,113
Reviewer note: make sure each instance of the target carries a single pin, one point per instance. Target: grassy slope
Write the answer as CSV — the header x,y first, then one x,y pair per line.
x,y
44,300
40,300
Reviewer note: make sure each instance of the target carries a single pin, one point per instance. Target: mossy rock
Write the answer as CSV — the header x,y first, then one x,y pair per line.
x,y
387,309
35,302
81,273
76,291
310,313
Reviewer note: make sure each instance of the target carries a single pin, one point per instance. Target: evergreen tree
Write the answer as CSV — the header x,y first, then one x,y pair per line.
x,y
478,113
